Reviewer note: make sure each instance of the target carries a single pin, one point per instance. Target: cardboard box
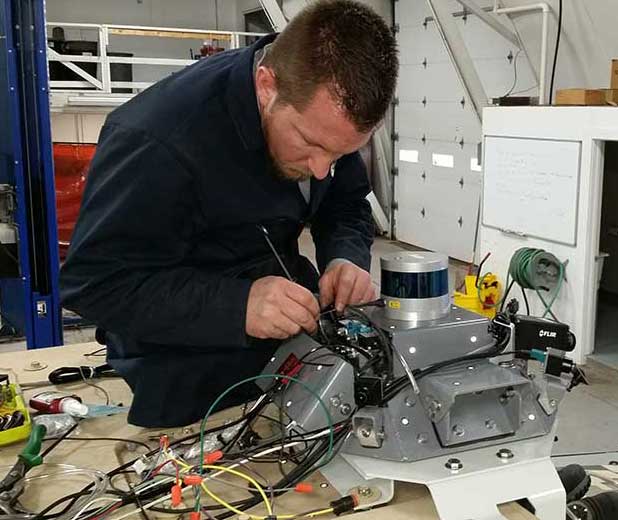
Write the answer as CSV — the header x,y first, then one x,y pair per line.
x,y
613,82
611,96
580,96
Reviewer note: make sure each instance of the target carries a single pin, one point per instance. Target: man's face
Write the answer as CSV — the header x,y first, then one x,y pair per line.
x,y
305,144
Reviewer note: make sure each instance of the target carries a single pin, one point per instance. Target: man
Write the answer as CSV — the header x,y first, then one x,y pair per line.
x,y
169,254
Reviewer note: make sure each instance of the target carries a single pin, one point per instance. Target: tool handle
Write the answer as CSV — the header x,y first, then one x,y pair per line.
x,y
30,454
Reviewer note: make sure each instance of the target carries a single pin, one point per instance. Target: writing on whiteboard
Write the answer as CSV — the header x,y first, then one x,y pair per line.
x,y
530,187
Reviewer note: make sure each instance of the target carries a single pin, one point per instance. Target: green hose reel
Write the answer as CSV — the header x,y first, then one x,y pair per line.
x,y
540,271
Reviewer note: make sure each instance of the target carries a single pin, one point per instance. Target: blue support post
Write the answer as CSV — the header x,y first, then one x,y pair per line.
x,y
29,297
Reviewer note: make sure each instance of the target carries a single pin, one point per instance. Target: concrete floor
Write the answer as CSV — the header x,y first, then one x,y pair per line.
x,y
588,415
606,337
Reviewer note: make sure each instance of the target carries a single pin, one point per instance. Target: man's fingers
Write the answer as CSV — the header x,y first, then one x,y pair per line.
x,y
345,287
360,289
299,315
327,289
303,297
370,294
285,324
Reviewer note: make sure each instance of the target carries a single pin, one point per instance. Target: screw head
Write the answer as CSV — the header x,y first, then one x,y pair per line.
x,y
553,403
490,424
410,401
454,464
459,431
365,432
421,438
335,401
505,454
345,409
405,421
365,491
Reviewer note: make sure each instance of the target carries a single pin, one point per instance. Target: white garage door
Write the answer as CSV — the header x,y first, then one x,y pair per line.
x,y
438,185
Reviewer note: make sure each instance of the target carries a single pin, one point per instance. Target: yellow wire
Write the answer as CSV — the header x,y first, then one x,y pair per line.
x,y
320,513
249,479
254,482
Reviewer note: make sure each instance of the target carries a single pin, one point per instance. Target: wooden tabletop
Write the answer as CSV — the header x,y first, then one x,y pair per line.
x,y
412,502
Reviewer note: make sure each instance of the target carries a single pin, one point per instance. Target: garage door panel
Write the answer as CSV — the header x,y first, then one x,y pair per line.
x,y
415,81
436,120
438,187
411,12
421,43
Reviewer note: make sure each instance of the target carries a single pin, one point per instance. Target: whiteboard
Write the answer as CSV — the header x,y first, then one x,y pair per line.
x,y
531,186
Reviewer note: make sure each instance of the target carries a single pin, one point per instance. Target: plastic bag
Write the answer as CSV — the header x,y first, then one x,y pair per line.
x,y
56,424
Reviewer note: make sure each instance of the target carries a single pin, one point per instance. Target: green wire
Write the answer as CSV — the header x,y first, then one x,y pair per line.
x,y
329,419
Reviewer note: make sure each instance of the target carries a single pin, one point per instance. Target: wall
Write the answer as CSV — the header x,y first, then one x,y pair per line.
x,y
190,14
588,40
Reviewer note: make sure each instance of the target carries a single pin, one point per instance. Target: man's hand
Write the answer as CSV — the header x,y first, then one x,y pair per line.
x,y
345,283
278,308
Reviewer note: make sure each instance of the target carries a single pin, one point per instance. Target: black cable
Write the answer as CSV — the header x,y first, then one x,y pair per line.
x,y
101,352
523,292
478,272
59,440
42,515
553,70
117,439
506,294
386,343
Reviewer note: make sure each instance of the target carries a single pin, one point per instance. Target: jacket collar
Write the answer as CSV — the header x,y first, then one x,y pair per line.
x,y
241,99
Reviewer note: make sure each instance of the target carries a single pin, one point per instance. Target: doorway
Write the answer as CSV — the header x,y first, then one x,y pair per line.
x,y
606,336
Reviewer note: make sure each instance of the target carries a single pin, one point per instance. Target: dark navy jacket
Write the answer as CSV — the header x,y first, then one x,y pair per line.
x,y
166,245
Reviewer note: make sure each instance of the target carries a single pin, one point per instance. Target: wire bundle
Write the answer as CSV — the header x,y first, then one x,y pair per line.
x,y
538,270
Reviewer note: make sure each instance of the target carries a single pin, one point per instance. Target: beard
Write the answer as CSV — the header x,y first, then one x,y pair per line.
x,y
288,172
281,170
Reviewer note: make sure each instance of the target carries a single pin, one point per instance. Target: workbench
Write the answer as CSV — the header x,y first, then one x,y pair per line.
x,y
412,502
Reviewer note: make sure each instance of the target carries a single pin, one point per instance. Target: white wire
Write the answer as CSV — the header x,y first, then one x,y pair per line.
x,y
214,475
91,502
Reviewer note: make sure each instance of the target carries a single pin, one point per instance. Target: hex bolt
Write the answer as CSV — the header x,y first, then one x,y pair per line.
x,y
335,401
505,454
345,409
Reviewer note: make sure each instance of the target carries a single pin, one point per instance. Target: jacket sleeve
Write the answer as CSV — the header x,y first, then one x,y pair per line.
x,y
343,226
126,269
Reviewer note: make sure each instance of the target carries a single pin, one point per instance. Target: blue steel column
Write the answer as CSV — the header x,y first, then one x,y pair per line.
x,y
31,302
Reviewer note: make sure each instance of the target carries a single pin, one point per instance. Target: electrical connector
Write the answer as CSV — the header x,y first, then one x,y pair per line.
x,y
192,480
303,487
195,515
344,504
176,493
212,457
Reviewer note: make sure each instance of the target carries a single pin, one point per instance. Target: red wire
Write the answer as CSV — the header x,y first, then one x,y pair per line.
x,y
160,466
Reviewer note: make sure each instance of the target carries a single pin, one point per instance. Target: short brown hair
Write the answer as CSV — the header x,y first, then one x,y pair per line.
x,y
342,44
